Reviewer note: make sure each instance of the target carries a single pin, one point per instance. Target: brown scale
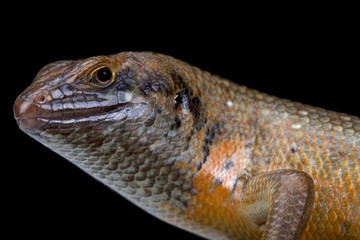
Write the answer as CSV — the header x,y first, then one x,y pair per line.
x,y
197,151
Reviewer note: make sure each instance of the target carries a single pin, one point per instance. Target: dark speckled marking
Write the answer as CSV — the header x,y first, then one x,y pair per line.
x,y
208,141
239,178
186,99
234,185
194,106
218,182
228,165
292,150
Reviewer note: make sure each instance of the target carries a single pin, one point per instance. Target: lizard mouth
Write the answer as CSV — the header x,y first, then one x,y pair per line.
x,y
34,113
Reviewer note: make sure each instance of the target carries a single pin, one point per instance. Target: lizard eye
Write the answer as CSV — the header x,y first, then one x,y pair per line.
x,y
102,77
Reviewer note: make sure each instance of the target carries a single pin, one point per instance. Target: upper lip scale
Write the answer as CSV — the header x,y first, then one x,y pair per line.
x,y
30,115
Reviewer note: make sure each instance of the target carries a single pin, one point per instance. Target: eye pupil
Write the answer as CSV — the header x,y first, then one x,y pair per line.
x,y
104,75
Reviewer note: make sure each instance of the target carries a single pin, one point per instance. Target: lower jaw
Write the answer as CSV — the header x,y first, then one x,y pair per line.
x,y
29,124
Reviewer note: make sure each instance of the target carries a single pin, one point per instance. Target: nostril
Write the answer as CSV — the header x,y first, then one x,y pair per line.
x,y
40,98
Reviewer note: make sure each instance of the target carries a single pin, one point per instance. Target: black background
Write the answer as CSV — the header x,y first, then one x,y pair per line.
x,y
308,58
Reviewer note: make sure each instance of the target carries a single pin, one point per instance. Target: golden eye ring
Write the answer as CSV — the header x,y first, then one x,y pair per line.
x,y
102,76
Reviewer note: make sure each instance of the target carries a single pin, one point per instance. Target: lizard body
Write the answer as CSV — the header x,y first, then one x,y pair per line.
x,y
198,151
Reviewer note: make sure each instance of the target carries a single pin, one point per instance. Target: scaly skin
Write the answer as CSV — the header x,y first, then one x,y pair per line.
x,y
197,151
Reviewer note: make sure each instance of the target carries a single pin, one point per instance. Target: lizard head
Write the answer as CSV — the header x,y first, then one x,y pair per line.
x,y
88,92
114,116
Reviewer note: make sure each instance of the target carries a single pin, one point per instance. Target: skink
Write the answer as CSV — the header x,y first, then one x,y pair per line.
x,y
197,151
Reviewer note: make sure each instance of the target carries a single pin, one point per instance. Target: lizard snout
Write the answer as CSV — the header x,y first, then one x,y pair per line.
x,y
28,107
